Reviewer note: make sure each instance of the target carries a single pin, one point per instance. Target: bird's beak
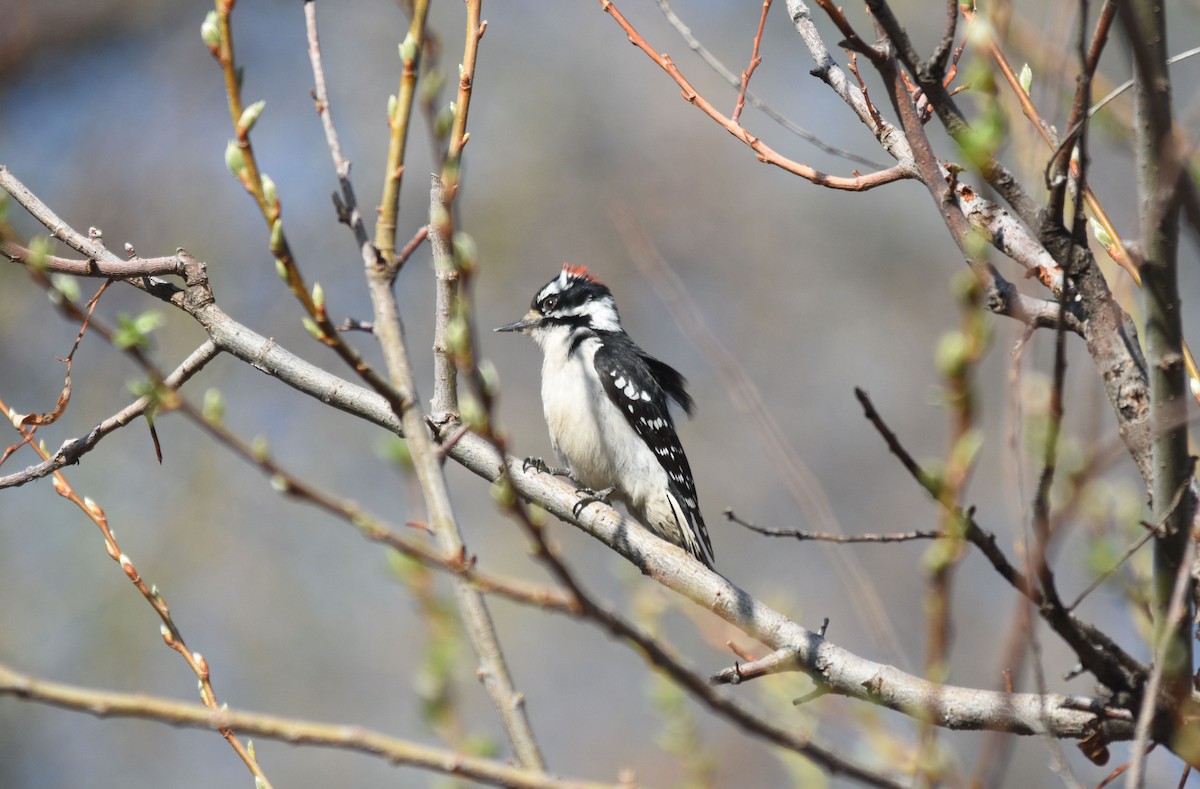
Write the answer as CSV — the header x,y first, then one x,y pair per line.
x,y
532,319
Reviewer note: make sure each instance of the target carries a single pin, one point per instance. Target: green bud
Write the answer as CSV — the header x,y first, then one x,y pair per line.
x,y
313,328
965,285
260,448
318,296
213,409
250,116
976,244
466,253
951,356
1100,233
281,270
210,32
277,237
391,110
439,218
39,250
502,493
434,80
408,48
472,413
443,122
235,160
280,483
270,193
933,477
1026,78
489,377
394,449
458,335
966,449
939,555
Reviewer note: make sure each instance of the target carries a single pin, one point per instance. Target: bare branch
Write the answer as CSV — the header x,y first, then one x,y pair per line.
x,y
73,449
840,539
294,731
763,152
112,269
734,81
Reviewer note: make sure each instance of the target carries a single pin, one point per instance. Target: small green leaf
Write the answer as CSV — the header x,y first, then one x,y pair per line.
x,y
39,250
68,287
135,332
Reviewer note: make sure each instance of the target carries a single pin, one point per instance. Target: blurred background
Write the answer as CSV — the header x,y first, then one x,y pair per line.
x,y
113,112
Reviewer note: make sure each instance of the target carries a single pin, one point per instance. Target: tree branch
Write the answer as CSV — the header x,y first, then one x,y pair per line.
x,y
764,153
294,731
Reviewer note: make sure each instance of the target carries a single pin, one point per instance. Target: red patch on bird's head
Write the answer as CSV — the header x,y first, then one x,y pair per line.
x,y
579,272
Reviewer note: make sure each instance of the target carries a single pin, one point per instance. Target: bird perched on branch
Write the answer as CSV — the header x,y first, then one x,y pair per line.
x,y
605,401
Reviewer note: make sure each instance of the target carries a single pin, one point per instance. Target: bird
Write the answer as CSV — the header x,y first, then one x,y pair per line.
x,y
606,406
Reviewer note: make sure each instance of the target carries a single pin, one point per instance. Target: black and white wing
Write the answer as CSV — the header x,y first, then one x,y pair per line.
x,y
640,384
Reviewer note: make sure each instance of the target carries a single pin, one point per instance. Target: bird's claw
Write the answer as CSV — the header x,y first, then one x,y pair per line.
x,y
540,466
590,496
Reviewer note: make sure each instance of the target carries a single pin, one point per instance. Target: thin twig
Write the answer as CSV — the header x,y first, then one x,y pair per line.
x,y
840,539
171,634
73,449
293,731
763,152
729,76
1103,657
755,60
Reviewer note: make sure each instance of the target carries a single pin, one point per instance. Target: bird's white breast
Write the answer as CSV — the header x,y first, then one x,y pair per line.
x,y
588,431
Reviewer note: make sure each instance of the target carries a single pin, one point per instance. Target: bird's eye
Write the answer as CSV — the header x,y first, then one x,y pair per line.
x,y
549,303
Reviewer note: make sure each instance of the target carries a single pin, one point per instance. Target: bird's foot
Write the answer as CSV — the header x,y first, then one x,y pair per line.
x,y
540,465
590,496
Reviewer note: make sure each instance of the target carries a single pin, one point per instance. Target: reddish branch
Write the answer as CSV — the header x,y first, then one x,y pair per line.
x,y
764,153
755,60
